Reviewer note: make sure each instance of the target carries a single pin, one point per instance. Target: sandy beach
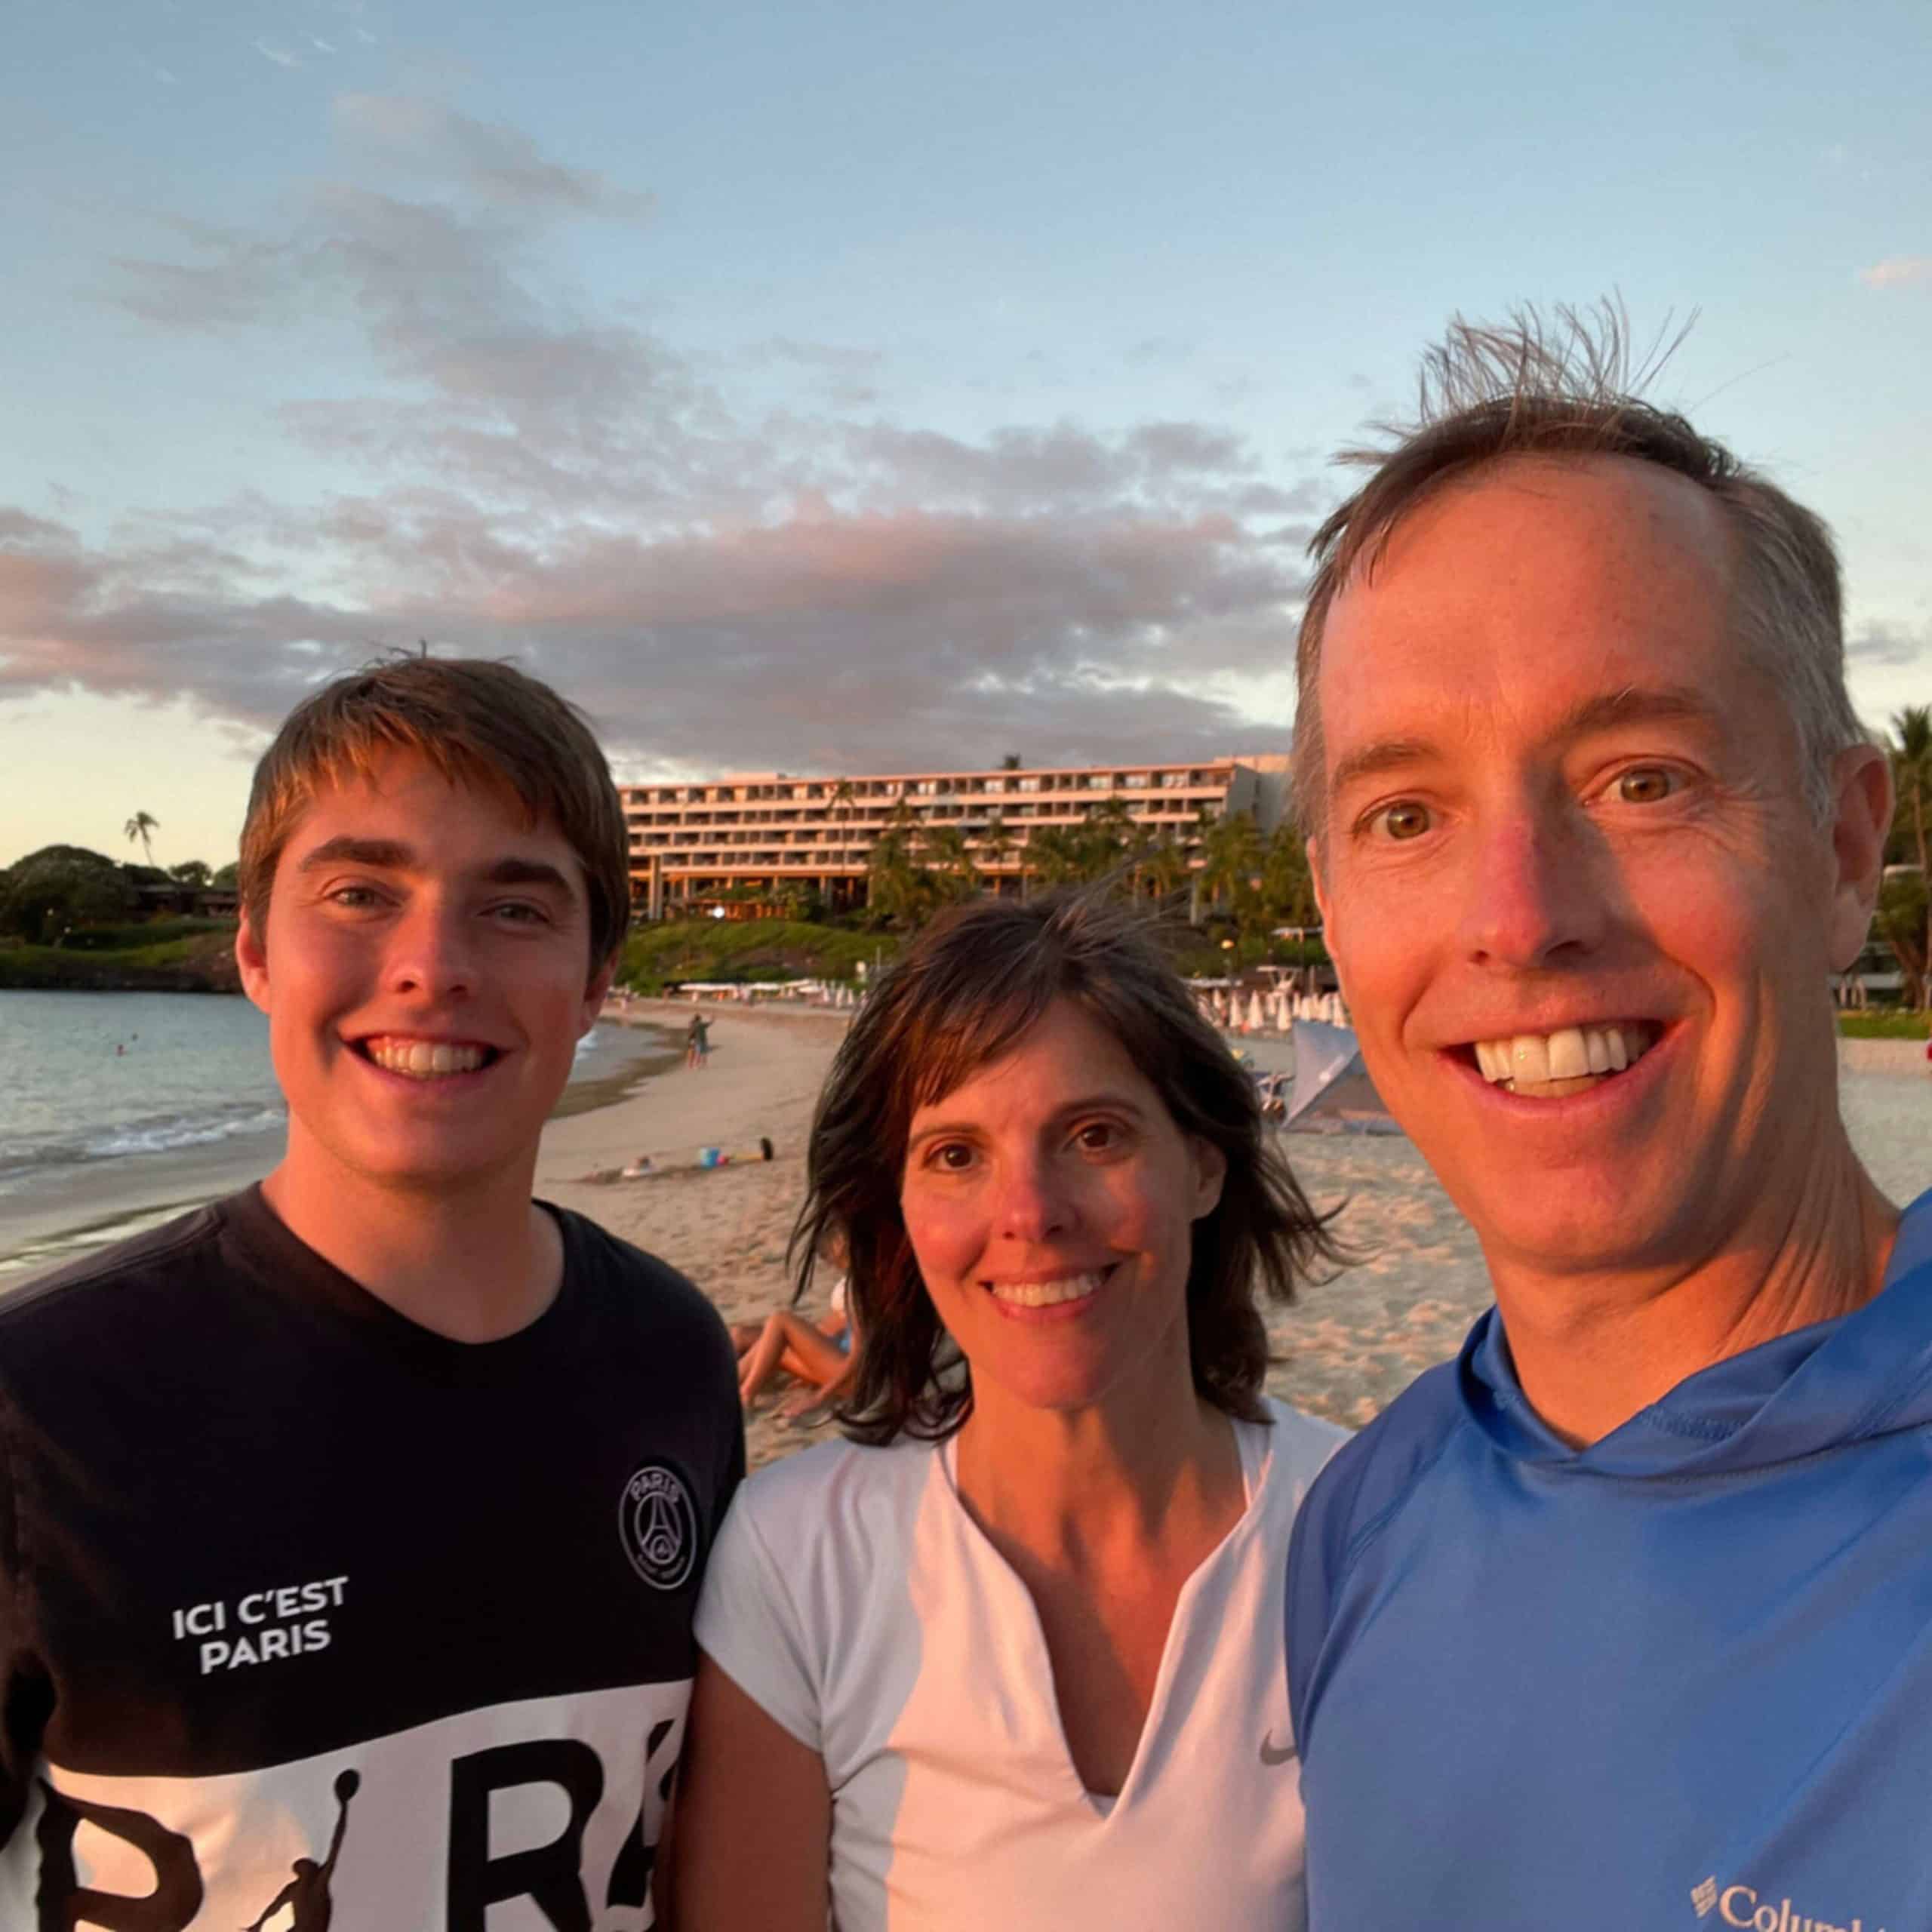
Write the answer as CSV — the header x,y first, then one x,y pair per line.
x,y
1345,1349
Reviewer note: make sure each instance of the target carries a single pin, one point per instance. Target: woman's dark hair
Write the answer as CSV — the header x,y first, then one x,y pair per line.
x,y
959,996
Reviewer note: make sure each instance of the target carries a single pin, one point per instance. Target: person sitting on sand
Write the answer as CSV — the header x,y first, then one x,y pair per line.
x,y
817,1354
1006,1656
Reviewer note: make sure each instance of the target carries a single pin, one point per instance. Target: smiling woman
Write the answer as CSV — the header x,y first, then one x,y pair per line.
x,y
1000,1657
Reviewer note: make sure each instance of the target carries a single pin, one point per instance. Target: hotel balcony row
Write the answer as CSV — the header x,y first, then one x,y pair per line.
x,y
689,842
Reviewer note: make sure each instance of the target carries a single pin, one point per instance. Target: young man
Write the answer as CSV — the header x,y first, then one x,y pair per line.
x,y
1620,1619
351,1528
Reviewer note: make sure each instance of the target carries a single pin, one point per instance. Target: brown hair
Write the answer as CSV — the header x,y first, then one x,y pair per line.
x,y
960,995
1568,388
476,722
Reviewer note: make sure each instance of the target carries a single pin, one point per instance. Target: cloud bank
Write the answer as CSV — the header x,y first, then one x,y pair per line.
x,y
720,583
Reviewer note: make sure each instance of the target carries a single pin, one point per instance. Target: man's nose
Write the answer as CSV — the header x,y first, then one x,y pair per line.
x,y
431,950
1533,897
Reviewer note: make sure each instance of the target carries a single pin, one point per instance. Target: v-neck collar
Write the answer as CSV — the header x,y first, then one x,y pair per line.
x,y
1253,1443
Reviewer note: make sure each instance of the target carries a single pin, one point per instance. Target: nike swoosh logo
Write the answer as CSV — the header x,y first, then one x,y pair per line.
x,y
1269,1755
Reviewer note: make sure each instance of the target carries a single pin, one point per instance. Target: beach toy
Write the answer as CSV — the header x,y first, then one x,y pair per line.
x,y
708,1156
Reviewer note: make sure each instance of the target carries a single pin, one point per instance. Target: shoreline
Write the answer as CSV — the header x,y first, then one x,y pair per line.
x,y
85,1206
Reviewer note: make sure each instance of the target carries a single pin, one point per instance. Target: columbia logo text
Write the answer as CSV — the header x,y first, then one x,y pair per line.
x,y
1741,1905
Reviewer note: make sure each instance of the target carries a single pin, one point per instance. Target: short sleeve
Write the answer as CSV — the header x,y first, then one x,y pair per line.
x,y
748,1625
25,1697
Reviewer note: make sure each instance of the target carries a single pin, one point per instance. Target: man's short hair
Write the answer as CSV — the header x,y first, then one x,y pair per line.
x,y
476,722
1567,389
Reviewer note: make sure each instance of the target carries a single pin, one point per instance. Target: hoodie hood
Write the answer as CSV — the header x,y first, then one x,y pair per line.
x,y
1866,1374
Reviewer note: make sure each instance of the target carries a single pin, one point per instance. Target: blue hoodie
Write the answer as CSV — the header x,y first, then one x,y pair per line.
x,y
1682,1677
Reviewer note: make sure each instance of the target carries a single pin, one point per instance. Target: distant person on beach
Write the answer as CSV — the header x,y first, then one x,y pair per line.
x,y
1011,1656
697,1041
381,1460
1620,1619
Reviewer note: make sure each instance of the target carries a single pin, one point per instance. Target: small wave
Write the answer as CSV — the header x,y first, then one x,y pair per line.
x,y
158,1137
158,1134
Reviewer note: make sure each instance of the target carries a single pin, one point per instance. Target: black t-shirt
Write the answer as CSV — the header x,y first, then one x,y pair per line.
x,y
307,1611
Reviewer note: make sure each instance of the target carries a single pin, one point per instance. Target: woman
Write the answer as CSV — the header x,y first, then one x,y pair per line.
x,y
1012,1656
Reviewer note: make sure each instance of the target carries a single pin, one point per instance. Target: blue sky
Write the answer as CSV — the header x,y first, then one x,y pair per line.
x,y
866,385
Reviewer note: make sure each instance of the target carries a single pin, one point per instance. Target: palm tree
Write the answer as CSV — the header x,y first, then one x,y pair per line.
x,y
139,827
1051,855
1911,780
1288,887
949,865
843,798
1011,762
1234,857
1164,867
1103,838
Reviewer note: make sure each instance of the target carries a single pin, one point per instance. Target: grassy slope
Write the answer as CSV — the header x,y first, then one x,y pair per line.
x,y
204,962
747,949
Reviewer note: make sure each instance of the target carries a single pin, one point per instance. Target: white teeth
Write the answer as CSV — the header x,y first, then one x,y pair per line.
x,y
1532,1059
1529,1058
423,1059
1568,1055
1045,1294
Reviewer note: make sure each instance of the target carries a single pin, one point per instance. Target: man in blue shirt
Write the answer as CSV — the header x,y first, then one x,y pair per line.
x,y
1625,1617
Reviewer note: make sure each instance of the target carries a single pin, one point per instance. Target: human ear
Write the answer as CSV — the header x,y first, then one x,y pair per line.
x,y
595,993
1211,1172
1862,816
1320,883
251,961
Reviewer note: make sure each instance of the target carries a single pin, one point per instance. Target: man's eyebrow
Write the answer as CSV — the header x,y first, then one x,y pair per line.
x,y
379,854
1635,704
1639,704
392,855
527,871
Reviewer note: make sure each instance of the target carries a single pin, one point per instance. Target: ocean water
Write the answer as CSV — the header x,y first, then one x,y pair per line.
x,y
90,1077
116,1105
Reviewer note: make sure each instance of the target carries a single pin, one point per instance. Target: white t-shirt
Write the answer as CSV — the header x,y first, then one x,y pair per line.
x,y
852,1596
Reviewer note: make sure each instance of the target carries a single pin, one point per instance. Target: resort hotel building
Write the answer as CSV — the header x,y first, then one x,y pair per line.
x,y
746,842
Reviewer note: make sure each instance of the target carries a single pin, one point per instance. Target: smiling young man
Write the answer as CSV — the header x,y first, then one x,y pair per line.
x,y
1621,1618
353,1526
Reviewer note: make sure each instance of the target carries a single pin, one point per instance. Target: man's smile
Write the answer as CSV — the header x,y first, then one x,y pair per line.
x,y
1567,1060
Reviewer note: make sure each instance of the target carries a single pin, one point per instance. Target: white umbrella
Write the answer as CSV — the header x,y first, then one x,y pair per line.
x,y
1257,1018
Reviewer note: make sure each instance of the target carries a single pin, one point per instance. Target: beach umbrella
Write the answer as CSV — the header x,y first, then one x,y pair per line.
x,y
1257,1019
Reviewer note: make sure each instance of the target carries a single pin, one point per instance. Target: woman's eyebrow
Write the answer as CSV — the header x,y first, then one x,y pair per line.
x,y
1121,1103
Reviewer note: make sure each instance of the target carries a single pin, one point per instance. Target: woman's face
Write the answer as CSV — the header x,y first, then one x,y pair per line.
x,y
1050,1200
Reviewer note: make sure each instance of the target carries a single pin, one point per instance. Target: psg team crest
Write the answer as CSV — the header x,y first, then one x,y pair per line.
x,y
657,1525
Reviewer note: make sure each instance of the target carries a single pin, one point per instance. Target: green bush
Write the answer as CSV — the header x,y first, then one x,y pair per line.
x,y
154,932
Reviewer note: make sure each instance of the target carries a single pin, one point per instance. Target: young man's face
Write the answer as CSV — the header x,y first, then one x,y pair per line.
x,y
1565,819
425,969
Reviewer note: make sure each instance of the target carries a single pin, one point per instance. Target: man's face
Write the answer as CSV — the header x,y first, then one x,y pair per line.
x,y
1565,826
426,974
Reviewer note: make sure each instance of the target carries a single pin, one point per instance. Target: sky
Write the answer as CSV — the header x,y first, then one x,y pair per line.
x,y
865,387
